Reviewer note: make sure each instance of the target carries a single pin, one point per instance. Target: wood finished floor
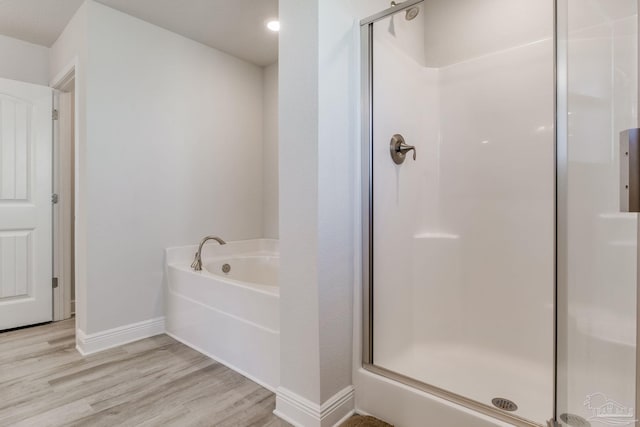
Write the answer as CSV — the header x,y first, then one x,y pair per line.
x,y
158,381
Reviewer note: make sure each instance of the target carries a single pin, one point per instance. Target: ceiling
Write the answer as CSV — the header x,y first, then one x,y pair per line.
x,y
36,21
233,26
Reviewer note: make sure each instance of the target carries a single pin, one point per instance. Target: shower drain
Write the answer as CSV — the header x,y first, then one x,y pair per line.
x,y
574,420
504,404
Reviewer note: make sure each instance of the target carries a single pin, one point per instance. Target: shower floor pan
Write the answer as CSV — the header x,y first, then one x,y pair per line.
x,y
481,375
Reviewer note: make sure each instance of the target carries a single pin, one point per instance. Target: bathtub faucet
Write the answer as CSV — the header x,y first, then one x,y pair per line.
x,y
197,261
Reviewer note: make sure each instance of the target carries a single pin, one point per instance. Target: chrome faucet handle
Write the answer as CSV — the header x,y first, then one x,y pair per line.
x,y
399,149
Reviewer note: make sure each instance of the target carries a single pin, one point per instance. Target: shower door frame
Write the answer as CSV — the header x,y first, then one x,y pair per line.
x,y
560,189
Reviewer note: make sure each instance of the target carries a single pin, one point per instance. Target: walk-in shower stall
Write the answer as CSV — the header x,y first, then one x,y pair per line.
x,y
499,269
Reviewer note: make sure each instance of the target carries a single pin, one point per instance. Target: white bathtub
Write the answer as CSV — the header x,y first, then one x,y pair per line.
x,y
231,317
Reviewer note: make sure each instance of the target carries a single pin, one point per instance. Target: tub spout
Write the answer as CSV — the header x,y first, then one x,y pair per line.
x,y
197,261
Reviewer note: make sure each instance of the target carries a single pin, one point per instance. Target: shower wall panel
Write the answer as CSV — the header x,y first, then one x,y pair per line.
x,y
406,101
497,195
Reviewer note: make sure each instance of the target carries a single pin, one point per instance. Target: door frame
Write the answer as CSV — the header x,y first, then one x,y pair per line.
x,y
62,211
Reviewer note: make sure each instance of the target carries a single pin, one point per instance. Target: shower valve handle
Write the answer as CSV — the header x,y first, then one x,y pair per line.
x,y
399,149
406,148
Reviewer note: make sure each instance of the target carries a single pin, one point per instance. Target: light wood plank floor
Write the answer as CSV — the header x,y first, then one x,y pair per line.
x,y
158,381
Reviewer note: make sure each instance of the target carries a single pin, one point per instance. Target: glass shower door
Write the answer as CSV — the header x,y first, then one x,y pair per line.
x,y
461,235
597,243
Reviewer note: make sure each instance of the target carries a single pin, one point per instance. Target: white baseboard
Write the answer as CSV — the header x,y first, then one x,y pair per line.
x,y
92,343
300,412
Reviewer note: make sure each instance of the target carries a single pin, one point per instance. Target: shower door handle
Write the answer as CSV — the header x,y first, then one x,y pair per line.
x,y
399,149
630,170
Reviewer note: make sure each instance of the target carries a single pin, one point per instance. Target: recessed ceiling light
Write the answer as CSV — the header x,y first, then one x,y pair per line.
x,y
274,25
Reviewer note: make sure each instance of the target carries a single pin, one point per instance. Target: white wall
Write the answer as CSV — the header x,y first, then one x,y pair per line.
x,y
172,152
270,152
316,154
24,61
298,206
337,152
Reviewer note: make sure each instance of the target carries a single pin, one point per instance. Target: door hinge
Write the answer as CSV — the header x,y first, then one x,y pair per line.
x,y
54,198
54,282
55,114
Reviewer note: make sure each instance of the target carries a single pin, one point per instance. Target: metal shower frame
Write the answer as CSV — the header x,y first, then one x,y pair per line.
x,y
368,363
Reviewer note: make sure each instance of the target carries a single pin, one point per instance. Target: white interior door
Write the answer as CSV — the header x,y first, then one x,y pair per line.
x,y
25,204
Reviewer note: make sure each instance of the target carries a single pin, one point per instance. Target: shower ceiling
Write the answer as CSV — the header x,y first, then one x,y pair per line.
x,y
236,27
